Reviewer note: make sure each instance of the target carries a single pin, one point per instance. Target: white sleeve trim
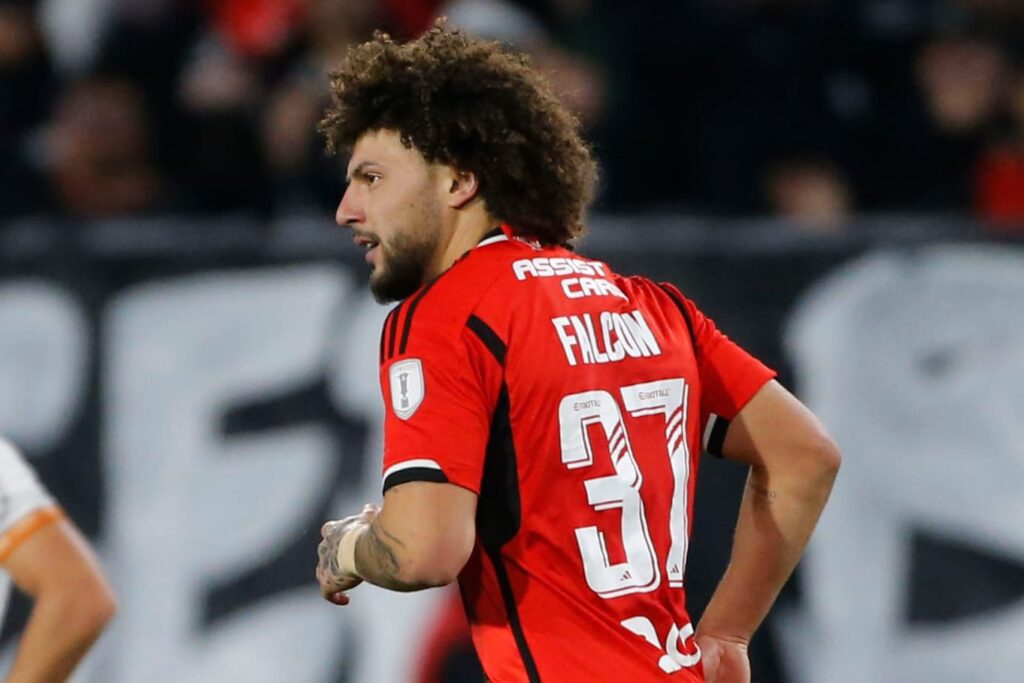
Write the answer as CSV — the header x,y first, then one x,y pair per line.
x,y
708,429
409,464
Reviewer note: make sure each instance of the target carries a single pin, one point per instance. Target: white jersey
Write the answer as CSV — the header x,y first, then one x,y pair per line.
x,y
25,506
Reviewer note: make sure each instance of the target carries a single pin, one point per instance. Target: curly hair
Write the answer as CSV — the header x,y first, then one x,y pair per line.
x,y
468,103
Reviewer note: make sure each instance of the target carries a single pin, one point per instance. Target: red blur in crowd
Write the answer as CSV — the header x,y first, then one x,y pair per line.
x,y
999,190
256,27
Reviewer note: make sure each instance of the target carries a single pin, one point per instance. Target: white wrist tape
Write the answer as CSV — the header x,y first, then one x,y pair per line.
x,y
347,550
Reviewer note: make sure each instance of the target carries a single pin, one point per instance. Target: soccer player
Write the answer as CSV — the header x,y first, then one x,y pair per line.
x,y
545,415
43,553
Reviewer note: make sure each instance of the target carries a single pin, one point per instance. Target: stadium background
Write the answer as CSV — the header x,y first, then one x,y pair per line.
x,y
187,346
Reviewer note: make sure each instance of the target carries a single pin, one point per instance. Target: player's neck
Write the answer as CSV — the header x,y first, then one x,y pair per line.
x,y
467,228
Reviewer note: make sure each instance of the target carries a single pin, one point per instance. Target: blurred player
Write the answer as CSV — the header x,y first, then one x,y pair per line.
x,y
43,553
545,416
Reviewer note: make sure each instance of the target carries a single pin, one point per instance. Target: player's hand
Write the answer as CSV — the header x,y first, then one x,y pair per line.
x,y
333,580
724,661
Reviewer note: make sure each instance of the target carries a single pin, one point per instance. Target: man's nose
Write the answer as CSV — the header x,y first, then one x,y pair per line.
x,y
349,211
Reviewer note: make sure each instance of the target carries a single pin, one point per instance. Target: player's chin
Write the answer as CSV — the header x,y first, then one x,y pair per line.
x,y
386,288
379,285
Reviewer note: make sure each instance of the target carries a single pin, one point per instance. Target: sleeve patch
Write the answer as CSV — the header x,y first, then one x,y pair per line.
x,y
407,387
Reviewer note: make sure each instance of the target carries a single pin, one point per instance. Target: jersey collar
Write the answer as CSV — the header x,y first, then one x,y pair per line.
x,y
498,234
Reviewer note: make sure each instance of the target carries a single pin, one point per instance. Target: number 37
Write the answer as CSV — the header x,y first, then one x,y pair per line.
x,y
640,573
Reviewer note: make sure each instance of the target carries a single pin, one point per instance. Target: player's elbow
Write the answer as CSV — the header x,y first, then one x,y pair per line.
x,y
82,609
438,561
436,552
103,607
94,605
809,464
827,457
429,575
819,461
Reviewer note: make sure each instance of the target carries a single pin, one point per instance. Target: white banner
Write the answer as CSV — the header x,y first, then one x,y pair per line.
x,y
915,362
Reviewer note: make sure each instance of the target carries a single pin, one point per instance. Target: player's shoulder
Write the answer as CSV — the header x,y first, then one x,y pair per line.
x,y
661,300
642,288
639,283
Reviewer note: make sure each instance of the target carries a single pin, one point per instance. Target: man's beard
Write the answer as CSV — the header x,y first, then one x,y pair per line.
x,y
403,267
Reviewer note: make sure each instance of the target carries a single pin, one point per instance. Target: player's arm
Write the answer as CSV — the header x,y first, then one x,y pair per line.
x,y
440,398
72,601
793,464
420,538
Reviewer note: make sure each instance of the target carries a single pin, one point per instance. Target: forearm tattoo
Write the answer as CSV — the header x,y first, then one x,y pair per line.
x,y
377,558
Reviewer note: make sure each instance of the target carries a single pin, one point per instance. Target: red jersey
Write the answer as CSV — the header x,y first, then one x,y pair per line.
x,y
575,402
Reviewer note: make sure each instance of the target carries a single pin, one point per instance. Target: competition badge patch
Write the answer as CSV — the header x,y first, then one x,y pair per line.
x,y
407,388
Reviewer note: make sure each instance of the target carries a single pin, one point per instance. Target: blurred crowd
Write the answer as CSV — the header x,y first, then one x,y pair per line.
x,y
813,110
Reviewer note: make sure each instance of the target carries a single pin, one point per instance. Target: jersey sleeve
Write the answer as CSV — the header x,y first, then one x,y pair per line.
x,y
729,375
439,399
25,505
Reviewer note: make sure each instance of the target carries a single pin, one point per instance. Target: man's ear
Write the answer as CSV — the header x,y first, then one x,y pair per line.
x,y
463,187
